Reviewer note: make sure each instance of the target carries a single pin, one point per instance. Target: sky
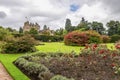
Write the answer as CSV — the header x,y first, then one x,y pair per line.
x,y
53,13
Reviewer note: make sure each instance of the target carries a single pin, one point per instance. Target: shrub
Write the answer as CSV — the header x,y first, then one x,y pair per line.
x,y
1,44
17,34
105,39
115,38
20,45
107,55
82,38
59,77
48,38
4,33
33,68
76,38
95,49
94,37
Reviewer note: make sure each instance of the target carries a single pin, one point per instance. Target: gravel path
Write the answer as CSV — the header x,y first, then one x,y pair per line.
x,y
4,74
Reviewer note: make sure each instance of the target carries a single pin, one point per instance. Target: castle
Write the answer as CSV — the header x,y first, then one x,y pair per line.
x,y
27,26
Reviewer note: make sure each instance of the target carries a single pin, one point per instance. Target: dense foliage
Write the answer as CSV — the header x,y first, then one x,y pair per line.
x,y
113,27
20,45
68,25
82,38
115,38
33,31
105,38
4,34
48,38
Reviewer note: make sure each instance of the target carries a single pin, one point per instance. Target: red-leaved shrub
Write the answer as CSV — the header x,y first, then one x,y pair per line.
x,y
81,38
76,38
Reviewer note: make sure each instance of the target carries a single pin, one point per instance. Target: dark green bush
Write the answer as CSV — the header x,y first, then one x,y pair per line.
x,y
17,34
20,45
48,38
94,37
115,38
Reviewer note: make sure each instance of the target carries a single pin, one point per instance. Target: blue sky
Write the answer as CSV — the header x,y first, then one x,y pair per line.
x,y
74,7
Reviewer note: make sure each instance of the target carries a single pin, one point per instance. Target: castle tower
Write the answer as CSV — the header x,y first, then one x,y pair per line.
x,y
27,26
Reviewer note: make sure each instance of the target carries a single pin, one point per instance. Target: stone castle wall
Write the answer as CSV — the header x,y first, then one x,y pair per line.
x,y
27,26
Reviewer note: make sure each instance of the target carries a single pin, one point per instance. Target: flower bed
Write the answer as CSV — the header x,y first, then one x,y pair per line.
x,y
96,62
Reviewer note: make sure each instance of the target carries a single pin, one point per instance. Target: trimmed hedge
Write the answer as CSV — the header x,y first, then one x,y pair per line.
x,y
80,38
48,38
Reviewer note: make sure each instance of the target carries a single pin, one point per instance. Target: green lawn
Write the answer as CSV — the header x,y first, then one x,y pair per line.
x,y
110,45
7,60
58,47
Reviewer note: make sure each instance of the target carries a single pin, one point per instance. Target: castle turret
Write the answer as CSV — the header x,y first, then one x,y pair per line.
x,y
27,26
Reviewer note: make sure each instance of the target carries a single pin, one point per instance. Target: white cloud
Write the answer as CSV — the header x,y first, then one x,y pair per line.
x,y
53,12
4,9
90,13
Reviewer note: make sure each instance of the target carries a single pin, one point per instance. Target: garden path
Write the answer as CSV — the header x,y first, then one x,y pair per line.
x,y
4,74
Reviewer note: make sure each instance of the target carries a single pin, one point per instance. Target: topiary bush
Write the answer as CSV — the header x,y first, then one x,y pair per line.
x,y
20,45
114,38
82,38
